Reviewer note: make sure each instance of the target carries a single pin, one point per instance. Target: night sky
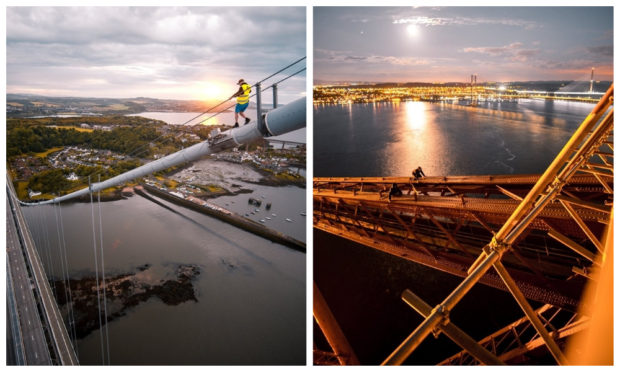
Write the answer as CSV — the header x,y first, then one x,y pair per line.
x,y
441,44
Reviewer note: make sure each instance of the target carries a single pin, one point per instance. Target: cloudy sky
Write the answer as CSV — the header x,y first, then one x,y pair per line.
x,y
451,43
159,52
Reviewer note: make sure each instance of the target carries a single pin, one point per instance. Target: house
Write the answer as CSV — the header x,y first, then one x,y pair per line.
x,y
72,177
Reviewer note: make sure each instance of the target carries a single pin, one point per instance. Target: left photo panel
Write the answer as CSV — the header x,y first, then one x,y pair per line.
x,y
155,187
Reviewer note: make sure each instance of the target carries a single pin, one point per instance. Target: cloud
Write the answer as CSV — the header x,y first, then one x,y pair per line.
x,y
140,45
604,50
333,56
465,21
513,52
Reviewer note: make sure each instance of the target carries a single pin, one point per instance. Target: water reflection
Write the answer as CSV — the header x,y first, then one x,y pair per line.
x,y
237,269
445,139
416,115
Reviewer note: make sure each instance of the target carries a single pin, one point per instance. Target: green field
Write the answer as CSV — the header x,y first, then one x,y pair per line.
x,y
46,153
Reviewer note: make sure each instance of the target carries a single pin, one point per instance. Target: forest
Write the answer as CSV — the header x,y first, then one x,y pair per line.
x,y
36,135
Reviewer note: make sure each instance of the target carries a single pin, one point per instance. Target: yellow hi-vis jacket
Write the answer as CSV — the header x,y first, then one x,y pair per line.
x,y
245,97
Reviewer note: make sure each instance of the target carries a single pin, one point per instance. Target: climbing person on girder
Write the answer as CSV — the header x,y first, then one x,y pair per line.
x,y
394,191
243,101
418,173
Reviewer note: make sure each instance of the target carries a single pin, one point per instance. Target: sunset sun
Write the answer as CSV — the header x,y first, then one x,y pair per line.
x,y
413,30
210,91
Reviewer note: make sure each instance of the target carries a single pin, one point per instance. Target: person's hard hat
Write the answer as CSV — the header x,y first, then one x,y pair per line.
x,y
240,81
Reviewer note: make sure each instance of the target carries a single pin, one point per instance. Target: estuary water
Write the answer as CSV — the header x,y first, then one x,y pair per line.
x,y
391,139
250,291
224,118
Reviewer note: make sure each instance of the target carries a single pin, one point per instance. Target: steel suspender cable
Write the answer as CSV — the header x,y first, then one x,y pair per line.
x,y
60,254
48,249
92,208
66,260
105,307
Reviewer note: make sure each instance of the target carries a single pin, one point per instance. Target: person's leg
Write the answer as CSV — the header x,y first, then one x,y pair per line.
x,y
247,120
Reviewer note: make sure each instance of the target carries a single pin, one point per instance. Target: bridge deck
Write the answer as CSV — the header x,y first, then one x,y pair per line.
x,y
38,284
29,334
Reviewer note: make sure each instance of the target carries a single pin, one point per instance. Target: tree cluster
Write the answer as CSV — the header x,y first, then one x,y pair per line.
x,y
124,140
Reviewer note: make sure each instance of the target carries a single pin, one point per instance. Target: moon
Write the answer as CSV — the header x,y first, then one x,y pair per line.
x,y
413,30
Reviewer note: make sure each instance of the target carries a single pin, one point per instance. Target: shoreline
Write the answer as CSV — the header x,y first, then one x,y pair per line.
x,y
268,178
223,215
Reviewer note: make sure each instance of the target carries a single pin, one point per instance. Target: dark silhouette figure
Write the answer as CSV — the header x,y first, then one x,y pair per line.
x,y
418,173
394,191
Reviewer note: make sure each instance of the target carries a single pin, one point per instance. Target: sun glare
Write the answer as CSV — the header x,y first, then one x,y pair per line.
x,y
413,30
212,91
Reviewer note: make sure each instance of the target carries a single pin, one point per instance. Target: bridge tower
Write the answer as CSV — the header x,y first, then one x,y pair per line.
x,y
473,81
591,81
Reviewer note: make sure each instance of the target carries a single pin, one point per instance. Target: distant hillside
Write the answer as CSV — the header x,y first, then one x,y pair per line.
x,y
23,105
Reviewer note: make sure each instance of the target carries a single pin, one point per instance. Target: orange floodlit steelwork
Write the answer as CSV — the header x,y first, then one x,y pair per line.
x,y
443,222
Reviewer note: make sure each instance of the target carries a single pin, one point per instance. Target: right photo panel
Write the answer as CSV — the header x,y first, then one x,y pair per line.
x,y
463,185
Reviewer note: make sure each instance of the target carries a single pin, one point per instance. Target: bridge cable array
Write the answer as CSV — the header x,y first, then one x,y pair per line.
x,y
65,269
101,333
105,306
145,146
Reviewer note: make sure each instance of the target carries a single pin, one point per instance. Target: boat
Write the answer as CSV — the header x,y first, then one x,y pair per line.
x,y
303,213
262,221
288,220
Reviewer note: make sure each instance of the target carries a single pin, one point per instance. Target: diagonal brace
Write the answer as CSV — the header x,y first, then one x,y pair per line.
x,y
452,331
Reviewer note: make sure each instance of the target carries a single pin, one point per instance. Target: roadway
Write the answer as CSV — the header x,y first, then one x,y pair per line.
x,y
29,337
37,282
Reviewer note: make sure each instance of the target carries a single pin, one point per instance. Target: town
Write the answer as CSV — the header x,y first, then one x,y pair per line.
x,y
95,151
433,92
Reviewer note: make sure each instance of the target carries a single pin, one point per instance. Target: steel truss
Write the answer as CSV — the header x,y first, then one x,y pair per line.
x,y
553,233
593,134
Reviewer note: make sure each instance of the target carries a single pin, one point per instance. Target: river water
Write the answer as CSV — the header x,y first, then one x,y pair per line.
x,y
287,213
224,118
391,139
251,292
